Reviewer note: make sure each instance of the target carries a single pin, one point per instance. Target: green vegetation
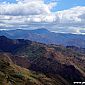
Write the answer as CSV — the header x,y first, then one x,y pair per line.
x,y
32,51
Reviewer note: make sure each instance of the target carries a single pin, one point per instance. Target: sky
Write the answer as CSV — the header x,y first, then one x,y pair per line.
x,y
62,16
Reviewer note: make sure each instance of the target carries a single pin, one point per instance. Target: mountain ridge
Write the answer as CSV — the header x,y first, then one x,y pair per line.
x,y
45,36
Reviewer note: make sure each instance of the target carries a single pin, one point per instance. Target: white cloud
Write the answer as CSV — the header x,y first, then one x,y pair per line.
x,y
72,19
26,7
71,15
36,13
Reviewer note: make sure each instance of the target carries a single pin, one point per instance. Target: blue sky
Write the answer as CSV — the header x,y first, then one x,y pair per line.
x,y
61,4
12,1
66,4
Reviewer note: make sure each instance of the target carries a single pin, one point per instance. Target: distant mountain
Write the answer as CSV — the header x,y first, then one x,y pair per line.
x,y
63,65
47,37
41,31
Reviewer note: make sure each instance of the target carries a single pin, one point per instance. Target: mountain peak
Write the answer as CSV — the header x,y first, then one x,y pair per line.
x,y
41,31
3,37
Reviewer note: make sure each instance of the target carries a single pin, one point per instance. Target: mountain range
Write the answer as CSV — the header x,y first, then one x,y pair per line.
x,y
44,36
34,63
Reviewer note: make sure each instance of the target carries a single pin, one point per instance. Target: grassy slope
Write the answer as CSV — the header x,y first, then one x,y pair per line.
x,y
11,74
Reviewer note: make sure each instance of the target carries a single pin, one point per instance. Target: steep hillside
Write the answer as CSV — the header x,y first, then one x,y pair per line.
x,y
56,62
11,74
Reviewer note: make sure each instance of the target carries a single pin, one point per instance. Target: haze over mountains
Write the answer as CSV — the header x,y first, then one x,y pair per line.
x,y
47,37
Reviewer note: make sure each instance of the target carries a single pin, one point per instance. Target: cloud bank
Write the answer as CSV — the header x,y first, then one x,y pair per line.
x,y
32,14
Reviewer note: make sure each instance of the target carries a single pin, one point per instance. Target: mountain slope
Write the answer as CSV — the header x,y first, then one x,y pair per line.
x,y
52,60
11,74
